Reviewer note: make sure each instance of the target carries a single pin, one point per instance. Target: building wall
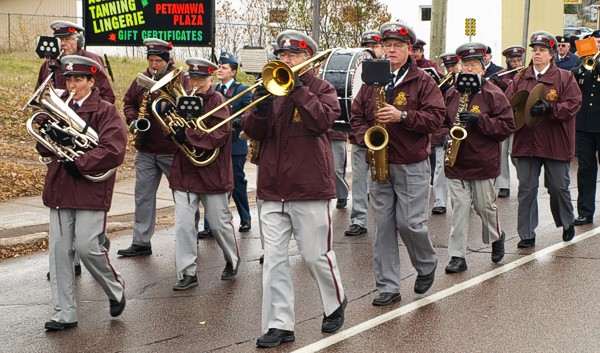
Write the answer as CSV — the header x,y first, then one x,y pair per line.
x,y
40,7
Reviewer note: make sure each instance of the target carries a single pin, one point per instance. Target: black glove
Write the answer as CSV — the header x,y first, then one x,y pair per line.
x,y
72,169
59,136
541,107
446,142
264,107
468,117
494,77
180,135
297,82
236,129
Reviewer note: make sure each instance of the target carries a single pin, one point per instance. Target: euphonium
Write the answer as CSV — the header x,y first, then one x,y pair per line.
x,y
170,89
458,132
59,116
377,139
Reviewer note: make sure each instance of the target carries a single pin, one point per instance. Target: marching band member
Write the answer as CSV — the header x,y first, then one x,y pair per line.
x,y
209,184
372,40
418,53
564,59
487,117
78,206
72,40
400,204
490,67
296,186
549,143
155,149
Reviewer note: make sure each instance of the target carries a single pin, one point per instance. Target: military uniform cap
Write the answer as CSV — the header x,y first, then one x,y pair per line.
x,y
561,39
397,30
514,51
543,38
155,46
488,49
472,50
295,41
200,67
419,44
371,37
227,58
449,59
65,28
595,34
78,65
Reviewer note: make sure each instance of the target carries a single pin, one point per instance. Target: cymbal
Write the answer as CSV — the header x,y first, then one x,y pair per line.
x,y
518,102
538,92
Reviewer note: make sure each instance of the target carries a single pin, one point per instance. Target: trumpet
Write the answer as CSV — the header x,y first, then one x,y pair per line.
x,y
62,118
448,78
589,62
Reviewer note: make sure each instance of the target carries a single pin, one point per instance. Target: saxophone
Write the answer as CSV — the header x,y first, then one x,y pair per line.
x,y
141,124
377,139
458,131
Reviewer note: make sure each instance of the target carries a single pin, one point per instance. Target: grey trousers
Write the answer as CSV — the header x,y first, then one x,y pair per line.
x,y
310,223
440,183
149,169
556,180
339,162
361,179
503,181
400,205
482,195
218,215
80,230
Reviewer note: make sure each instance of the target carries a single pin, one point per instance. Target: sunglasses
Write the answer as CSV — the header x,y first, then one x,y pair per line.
x,y
562,45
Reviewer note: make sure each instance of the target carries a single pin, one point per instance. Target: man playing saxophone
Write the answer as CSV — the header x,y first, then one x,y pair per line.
x,y
155,151
414,110
77,205
486,116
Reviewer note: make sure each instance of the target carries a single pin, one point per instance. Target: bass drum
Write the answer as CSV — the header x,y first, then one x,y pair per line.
x,y
343,70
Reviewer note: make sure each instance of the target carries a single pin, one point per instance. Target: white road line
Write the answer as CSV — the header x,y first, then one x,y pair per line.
x,y
378,320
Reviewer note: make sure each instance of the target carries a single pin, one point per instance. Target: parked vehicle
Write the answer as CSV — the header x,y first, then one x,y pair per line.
x,y
579,32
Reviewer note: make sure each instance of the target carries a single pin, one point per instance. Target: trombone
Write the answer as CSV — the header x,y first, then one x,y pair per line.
x,y
278,80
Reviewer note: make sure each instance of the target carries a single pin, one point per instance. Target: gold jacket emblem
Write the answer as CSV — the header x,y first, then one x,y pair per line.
x,y
297,118
400,99
475,109
552,95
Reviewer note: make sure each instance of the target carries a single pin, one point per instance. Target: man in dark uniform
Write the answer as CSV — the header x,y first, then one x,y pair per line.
x,y
550,143
587,138
155,149
229,87
490,67
414,109
296,184
72,41
419,56
564,58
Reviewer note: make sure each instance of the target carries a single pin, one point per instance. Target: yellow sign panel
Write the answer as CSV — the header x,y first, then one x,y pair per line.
x,y
572,2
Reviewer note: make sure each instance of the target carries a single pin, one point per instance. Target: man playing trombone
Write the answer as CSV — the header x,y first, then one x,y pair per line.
x,y
296,185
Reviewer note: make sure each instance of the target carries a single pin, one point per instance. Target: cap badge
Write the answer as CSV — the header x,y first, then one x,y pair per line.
x,y
195,68
286,43
471,50
393,28
226,56
69,67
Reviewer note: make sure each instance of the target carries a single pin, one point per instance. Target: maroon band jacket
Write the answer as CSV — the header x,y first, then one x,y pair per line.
x,y
296,159
479,153
553,135
419,96
61,190
216,177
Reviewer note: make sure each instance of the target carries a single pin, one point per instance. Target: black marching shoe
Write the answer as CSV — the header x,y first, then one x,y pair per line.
x,y
229,272
526,243
203,234
355,229
583,220
77,271
135,250
438,210
424,282
116,308
498,249
186,282
503,193
245,227
456,265
386,298
58,326
568,233
274,337
341,203
334,322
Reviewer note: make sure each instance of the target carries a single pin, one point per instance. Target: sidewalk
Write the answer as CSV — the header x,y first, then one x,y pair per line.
x,y
25,220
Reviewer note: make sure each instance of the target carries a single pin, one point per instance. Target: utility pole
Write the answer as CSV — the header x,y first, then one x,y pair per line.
x,y
316,29
525,29
438,28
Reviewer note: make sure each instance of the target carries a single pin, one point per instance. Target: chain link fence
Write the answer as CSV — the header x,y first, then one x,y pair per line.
x,y
19,32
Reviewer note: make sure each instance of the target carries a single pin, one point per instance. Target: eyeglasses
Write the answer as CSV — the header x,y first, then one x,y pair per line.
x,y
151,61
290,56
562,45
394,45
471,65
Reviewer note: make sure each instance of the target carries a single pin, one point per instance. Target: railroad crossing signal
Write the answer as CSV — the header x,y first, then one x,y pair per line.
x,y
470,27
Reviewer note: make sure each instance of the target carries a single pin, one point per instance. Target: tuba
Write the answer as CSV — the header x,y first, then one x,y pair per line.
x,y
61,117
377,139
170,90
